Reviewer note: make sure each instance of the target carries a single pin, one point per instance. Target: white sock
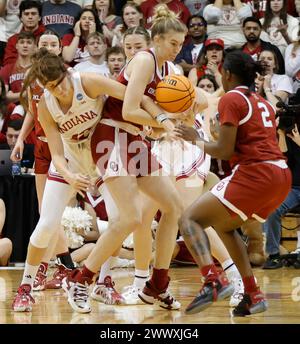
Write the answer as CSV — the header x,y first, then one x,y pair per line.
x,y
29,274
140,278
298,241
105,269
230,269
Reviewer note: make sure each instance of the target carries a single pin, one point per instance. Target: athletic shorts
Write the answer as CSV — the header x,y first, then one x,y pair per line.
x,y
117,153
42,157
254,190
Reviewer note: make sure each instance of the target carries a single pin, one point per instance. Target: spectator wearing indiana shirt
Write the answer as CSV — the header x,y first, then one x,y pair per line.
x,y
252,28
13,74
30,16
60,15
176,6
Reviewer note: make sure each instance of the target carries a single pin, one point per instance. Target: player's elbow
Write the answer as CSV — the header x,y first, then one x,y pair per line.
x,y
127,113
225,152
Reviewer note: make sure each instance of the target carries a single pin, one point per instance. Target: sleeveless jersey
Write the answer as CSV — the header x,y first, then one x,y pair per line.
x,y
256,139
113,106
76,126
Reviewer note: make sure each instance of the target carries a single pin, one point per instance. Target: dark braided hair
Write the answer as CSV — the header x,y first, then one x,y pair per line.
x,y
45,67
243,66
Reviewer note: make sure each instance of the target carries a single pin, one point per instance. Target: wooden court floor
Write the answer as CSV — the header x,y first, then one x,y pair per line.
x,y
282,288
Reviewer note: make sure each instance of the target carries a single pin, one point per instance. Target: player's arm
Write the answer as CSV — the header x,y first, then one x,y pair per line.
x,y
77,181
222,149
96,85
140,70
27,126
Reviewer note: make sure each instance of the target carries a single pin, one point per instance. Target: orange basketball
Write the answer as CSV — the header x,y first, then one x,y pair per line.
x,y
175,93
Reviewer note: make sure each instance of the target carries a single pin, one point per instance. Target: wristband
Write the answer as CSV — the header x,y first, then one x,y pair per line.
x,y
161,118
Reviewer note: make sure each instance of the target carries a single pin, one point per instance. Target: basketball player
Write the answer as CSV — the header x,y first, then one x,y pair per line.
x,y
126,165
50,41
259,182
69,110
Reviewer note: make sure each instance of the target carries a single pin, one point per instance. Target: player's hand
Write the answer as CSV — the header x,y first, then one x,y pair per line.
x,y
78,182
186,133
17,152
168,125
214,127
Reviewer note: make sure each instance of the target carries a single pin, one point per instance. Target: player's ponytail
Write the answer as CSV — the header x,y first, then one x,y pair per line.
x,y
165,20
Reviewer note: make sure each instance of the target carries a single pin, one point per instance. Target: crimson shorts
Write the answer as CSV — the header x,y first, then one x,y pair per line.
x,y
42,157
118,153
255,190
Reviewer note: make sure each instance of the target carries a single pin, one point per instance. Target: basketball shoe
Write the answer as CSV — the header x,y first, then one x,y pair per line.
x,y
56,281
23,300
163,298
130,295
106,293
39,283
211,291
77,289
251,303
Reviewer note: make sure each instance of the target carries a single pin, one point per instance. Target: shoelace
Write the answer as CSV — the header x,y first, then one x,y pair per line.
x,y
167,298
80,293
25,295
209,286
131,290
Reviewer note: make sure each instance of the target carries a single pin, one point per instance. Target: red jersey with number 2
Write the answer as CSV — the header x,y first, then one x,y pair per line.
x,y
256,139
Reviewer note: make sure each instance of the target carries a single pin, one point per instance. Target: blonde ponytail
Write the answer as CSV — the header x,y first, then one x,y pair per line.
x,y
165,20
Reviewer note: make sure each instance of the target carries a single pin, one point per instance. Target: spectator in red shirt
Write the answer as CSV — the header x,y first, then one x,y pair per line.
x,y
3,113
30,16
74,44
174,5
252,28
13,74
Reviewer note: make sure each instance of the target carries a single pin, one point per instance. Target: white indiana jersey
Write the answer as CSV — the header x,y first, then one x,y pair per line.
x,y
183,161
76,127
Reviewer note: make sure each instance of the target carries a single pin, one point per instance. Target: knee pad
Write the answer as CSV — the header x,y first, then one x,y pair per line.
x,y
41,236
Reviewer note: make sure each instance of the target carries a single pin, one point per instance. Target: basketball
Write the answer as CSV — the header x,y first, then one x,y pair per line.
x,y
175,93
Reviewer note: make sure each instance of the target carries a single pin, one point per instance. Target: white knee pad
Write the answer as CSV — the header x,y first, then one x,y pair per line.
x,y
41,236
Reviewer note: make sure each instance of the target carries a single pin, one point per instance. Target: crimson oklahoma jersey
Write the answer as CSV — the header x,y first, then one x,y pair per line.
x,y
256,139
113,107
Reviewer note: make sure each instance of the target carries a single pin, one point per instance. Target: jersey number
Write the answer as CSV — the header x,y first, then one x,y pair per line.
x,y
265,115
